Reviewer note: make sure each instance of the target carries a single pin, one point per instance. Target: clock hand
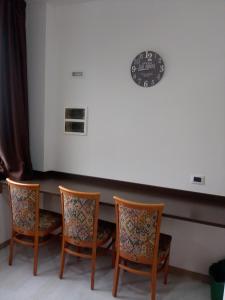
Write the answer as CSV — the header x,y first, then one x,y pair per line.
x,y
143,69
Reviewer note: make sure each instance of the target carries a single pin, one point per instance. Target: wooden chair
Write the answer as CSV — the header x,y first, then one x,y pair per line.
x,y
138,240
81,228
31,226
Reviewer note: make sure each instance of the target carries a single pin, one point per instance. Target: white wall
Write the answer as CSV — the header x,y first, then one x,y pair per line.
x,y
194,246
157,136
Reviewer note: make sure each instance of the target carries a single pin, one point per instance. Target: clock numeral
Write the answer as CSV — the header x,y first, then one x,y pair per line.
x,y
161,68
153,82
146,83
148,55
133,69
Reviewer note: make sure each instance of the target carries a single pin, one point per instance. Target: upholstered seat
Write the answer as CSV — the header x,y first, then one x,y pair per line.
x,y
105,231
164,246
49,220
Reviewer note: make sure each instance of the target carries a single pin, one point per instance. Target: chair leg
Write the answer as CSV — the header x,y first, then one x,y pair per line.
x,y
62,260
36,246
166,269
113,253
11,246
116,275
153,285
93,267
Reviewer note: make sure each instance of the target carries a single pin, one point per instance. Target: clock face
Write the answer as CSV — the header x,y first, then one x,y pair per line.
x,y
147,68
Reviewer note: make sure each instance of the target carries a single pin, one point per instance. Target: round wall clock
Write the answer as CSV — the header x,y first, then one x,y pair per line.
x,y
147,68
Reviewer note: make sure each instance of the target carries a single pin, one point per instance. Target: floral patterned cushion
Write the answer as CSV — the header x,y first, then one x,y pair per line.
x,y
79,218
23,207
105,231
49,220
137,231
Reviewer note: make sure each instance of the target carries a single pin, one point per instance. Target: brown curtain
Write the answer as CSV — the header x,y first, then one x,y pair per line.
x,y
14,134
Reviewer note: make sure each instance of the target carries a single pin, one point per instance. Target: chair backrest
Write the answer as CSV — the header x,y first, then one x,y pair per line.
x,y
80,216
138,230
24,201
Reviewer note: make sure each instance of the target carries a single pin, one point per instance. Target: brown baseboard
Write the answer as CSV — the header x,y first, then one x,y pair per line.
x,y
194,275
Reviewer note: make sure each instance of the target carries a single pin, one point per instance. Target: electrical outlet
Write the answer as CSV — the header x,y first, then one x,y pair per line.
x,y
198,179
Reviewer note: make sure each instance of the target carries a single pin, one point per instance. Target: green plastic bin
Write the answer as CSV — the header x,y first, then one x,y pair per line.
x,y
217,275
217,289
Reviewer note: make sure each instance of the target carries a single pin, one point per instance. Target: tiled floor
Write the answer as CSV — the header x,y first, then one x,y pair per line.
x,y
18,283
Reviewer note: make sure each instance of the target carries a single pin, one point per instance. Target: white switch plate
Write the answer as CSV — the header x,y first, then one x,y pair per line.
x,y
198,179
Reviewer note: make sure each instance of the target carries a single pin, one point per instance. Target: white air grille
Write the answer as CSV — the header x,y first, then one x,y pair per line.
x,y
76,120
